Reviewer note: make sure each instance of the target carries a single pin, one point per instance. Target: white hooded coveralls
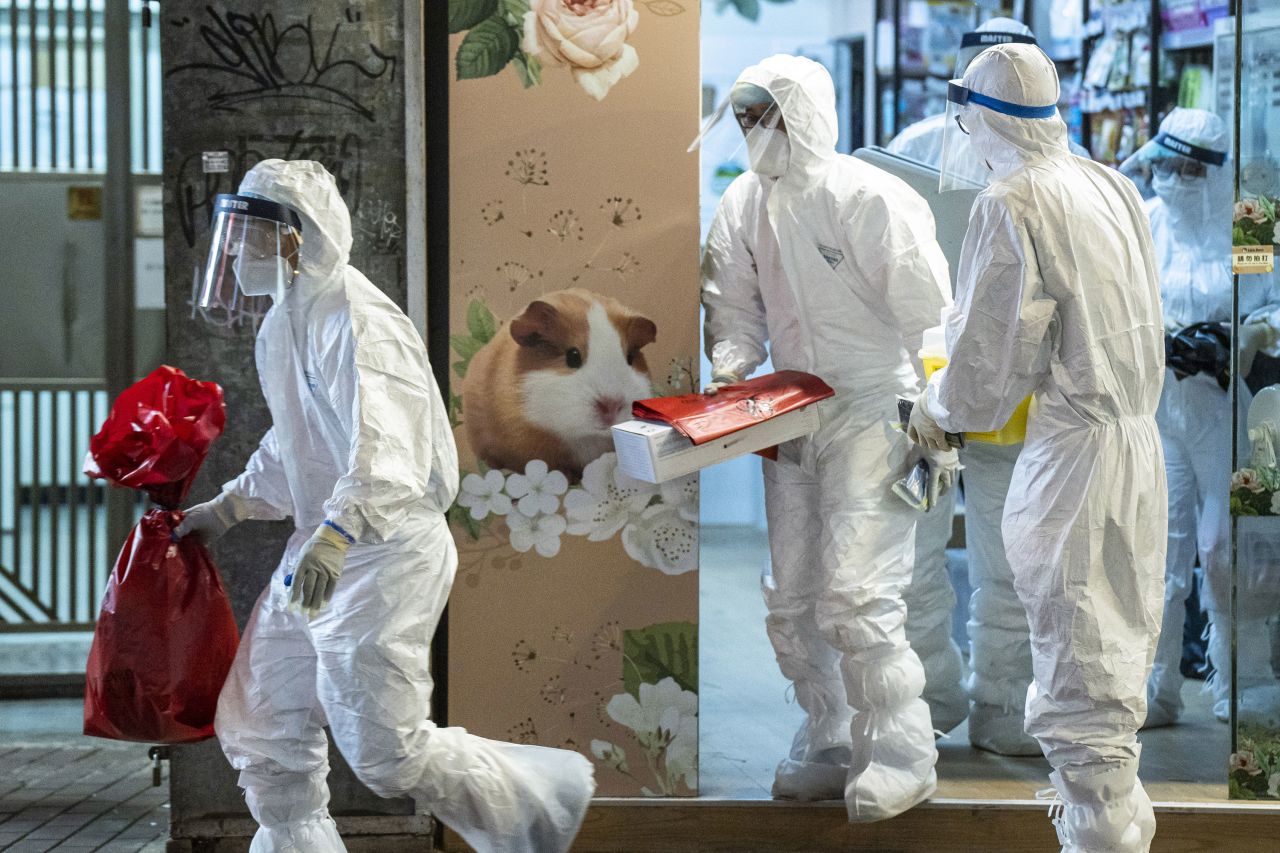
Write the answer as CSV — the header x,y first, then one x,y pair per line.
x,y
1057,296
360,436
999,639
835,265
1190,226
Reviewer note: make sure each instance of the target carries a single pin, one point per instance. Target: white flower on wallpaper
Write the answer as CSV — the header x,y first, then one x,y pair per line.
x,y
683,495
664,722
589,37
610,755
663,539
658,523
607,500
537,491
540,533
484,496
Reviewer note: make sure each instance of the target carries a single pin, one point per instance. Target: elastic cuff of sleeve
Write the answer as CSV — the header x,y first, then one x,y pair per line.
x,y
351,540
231,509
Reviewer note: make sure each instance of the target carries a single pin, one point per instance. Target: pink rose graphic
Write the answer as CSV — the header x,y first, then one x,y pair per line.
x,y
587,36
1246,478
1244,761
1249,209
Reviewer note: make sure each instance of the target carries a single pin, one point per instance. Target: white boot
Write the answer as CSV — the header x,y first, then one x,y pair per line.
x,y
1105,809
506,797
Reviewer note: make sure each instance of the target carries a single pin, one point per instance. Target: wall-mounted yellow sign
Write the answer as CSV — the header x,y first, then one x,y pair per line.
x,y
1249,260
84,203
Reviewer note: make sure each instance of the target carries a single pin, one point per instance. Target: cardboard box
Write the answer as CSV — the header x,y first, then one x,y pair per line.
x,y
654,452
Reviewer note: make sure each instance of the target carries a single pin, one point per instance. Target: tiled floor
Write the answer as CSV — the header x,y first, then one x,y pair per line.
x,y
62,791
747,719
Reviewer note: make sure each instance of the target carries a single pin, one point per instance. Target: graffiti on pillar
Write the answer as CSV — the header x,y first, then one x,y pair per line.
x,y
341,153
250,58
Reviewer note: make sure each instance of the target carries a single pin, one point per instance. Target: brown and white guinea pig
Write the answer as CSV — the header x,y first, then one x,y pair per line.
x,y
554,380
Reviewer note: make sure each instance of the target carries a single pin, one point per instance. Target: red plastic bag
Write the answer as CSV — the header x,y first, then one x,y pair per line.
x,y
157,435
166,636
164,642
702,418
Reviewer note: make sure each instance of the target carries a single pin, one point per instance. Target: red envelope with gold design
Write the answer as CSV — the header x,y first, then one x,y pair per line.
x,y
704,418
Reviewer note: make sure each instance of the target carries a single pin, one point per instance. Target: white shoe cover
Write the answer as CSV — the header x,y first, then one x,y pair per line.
x,y
506,797
819,778
895,764
1105,809
318,834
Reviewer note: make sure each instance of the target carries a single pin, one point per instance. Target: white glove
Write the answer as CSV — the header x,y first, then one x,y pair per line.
x,y
923,429
720,380
210,520
1254,337
943,468
315,577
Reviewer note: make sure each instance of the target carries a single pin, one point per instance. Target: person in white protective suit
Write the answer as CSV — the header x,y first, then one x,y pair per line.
x,y
1058,296
360,454
1190,223
922,140
834,264
999,638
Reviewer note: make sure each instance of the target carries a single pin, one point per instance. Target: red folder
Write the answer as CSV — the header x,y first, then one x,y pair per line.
x,y
704,418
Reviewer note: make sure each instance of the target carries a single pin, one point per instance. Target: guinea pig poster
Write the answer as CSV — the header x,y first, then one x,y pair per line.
x,y
554,379
573,289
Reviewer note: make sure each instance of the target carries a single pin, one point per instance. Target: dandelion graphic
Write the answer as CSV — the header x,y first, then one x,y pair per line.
x,y
560,635
524,655
628,266
524,731
553,692
529,168
492,213
516,274
564,224
622,211
605,643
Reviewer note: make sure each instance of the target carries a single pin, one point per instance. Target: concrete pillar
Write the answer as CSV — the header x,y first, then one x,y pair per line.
x,y
324,80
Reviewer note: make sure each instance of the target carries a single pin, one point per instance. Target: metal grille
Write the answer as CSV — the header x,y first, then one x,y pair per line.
x,y
54,553
53,86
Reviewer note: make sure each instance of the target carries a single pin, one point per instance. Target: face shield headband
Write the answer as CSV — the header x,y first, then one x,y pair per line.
x,y
1180,146
960,95
252,241
989,39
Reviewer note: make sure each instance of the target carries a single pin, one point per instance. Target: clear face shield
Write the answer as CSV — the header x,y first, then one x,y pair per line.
x,y
962,166
763,131
1191,180
253,257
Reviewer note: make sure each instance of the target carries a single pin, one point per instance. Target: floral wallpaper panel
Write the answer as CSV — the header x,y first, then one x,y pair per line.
x,y
574,291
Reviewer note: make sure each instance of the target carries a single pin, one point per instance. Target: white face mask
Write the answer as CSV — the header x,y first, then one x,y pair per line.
x,y
1185,198
263,276
769,151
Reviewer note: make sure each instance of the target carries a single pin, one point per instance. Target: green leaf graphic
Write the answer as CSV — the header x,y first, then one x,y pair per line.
x,y
666,650
465,14
486,50
480,322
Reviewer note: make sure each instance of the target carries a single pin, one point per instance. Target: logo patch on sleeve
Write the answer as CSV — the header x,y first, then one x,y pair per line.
x,y
833,257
